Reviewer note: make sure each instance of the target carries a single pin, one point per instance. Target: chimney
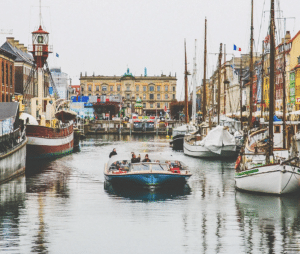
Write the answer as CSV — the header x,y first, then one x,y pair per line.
x,y
20,46
25,49
287,36
16,43
10,40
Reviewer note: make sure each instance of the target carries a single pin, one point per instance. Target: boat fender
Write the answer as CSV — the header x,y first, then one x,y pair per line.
x,y
238,162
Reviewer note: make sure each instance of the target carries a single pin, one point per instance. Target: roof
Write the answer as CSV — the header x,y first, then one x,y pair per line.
x,y
8,109
21,56
8,54
40,31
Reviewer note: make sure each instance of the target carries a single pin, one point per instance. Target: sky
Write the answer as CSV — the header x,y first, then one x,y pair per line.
x,y
105,37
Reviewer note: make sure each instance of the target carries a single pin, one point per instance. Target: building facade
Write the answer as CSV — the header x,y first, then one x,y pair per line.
x,y
156,92
61,81
7,76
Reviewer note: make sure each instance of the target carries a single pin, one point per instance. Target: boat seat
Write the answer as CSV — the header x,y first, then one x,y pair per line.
x,y
175,170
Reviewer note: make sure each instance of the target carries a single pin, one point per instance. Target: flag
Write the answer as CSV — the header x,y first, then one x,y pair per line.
x,y
236,48
57,55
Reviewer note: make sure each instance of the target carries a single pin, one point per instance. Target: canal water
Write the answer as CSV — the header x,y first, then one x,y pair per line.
x,y
65,206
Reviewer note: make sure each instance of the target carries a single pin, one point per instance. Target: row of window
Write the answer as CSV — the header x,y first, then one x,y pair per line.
x,y
4,72
151,96
137,88
154,105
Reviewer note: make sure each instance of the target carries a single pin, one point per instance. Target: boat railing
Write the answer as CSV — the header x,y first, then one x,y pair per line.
x,y
11,140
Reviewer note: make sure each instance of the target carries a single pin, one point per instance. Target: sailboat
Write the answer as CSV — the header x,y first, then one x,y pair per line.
x,y
264,165
217,142
181,131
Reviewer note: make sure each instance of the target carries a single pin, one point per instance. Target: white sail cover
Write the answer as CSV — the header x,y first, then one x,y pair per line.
x,y
218,138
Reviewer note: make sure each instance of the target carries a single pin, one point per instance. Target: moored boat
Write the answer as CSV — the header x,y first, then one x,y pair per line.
x,y
12,142
158,172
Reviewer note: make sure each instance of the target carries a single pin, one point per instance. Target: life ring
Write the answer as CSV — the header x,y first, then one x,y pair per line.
x,y
238,162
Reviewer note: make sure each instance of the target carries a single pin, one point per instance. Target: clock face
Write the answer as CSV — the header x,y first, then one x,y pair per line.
x,y
40,39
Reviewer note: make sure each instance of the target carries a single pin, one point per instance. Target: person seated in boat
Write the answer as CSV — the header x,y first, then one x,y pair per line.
x,y
146,158
177,164
135,159
124,165
113,152
115,166
170,164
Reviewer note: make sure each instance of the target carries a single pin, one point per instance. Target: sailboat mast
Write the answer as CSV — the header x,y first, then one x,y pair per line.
x,y
241,93
251,68
204,75
186,108
262,80
219,82
225,82
284,98
194,86
272,77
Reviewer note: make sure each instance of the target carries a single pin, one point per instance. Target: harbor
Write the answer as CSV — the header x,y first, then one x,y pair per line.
x,y
68,208
157,141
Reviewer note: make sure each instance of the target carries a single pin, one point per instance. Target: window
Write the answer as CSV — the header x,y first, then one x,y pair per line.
x,y
104,88
166,96
97,88
137,88
151,88
158,96
144,105
128,96
144,88
151,96
82,88
137,96
158,88
151,105
3,74
166,88
144,96
90,88
127,87
118,88
174,88
11,76
277,129
173,96
158,105
89,94
111,88
6,74
166,104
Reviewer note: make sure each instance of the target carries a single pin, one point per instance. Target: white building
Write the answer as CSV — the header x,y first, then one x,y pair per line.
x,y
61,82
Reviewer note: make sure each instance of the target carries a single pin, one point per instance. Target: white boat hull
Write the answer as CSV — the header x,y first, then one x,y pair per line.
x,y
203,152
272,179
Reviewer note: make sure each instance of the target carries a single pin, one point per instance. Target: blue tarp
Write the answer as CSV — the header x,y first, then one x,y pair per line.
x,y
276,119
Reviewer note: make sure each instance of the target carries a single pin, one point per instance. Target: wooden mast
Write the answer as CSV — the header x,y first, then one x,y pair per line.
x,y
251,68
225,81
272,78
262,80
186,108
204,76
284,98
219,82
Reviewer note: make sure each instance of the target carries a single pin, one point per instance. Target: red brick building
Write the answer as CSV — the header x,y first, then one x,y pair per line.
x,y
7,75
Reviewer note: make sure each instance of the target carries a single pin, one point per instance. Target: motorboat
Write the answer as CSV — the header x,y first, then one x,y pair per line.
x,y
178,135
159,172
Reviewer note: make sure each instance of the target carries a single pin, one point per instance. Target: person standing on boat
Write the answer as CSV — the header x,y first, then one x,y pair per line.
x,y
112,153
146,159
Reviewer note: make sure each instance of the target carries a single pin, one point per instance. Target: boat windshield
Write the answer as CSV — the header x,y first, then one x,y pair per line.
x,y
148,166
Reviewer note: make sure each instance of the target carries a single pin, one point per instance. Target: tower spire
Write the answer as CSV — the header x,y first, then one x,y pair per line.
x,y
40,13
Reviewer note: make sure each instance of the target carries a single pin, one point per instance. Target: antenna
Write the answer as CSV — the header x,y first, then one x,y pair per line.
x,y
40,13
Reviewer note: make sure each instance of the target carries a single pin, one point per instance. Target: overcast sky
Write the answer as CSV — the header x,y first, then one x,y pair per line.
x,y
107,36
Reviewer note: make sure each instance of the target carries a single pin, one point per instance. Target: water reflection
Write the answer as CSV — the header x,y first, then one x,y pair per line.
x,y
12,199
269,224
145,194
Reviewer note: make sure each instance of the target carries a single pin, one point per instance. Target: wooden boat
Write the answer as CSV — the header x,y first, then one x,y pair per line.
x,y
266,165
158,172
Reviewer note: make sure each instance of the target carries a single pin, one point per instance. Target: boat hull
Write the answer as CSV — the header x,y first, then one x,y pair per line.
x,y
13,162
272,179
203,152
148,179
45,142
177,142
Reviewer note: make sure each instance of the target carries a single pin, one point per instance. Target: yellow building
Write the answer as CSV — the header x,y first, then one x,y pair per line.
x,y
156,92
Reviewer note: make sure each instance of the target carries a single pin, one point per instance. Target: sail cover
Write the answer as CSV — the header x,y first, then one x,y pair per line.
x,y
217,138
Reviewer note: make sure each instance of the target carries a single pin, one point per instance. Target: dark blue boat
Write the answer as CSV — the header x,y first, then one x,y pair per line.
x,y
149,174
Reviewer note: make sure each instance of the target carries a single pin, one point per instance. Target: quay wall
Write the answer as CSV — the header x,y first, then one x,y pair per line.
x,y
13,162
117,127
